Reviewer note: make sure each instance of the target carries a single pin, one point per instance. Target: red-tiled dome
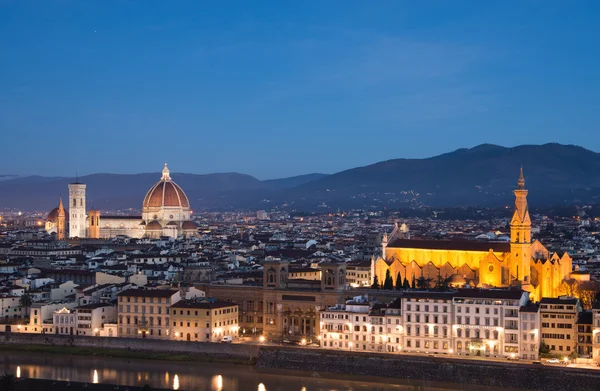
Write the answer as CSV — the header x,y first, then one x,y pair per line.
x,y
189,225
165,193
53,215
153,226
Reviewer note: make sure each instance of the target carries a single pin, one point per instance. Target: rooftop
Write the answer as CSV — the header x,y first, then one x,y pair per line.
x,y
465,245
148,292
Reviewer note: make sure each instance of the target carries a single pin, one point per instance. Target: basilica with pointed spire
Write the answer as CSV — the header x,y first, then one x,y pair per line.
x,y
520,262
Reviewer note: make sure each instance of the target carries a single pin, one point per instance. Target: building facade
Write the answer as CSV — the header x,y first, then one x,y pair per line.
x,y
203,320
469,322
521,262
283,307
165,212
144,313
559,324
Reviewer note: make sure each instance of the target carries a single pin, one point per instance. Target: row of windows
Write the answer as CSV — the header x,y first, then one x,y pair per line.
x,y
426,307
486,321
158,300
556,336
557,325
427,318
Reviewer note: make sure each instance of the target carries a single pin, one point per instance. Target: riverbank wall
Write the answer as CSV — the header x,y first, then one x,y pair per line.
x,y
45,385
217,350
321,361
438,369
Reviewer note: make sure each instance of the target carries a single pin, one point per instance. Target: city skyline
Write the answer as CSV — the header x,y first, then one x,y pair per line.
x,y
218,90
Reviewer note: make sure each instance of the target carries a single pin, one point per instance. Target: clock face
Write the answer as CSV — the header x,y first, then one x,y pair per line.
x,y
491,268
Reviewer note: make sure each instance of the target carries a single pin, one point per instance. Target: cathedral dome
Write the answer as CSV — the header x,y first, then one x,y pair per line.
x,y
53,215
189,225
153,226
165,193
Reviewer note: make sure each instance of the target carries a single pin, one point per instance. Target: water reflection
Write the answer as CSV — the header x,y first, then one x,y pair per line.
x,y
201,376
217,383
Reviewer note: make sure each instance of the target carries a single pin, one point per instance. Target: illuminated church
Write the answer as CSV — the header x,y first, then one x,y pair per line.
x,y
520,262
165,212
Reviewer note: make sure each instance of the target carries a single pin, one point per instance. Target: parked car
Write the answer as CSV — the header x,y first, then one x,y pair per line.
x,y
227,339
553,361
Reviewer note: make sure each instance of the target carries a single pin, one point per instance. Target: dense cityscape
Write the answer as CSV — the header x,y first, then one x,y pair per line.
x,y
338,281
299,196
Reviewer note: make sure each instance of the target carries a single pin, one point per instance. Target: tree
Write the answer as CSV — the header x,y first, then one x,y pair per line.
x,y
375,283
406,285
568,287
423,283
25,302
441,283
544,348
398,282
388,284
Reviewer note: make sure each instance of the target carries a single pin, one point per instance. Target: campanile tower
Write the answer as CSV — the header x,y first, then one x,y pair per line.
x,y
77,214
520,235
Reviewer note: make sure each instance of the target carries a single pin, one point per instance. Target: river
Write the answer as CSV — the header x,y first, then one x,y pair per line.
x,y
203,376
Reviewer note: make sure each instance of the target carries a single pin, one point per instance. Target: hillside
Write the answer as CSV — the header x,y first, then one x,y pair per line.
x,y
481,176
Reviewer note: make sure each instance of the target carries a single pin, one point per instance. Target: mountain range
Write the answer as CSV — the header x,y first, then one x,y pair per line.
x,y
485,175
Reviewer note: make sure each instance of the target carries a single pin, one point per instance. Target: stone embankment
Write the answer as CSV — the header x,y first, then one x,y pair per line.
x,y
439,369
226,351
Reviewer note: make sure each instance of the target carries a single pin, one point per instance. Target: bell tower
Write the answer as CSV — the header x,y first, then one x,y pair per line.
x,y
520,236
77,214
60,221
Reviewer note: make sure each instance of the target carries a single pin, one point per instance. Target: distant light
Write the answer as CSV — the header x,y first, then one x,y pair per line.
x,y
176,382
18,372
95,377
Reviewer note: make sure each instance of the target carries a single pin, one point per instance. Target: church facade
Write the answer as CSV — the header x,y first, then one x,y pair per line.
x,y
520,262
165,212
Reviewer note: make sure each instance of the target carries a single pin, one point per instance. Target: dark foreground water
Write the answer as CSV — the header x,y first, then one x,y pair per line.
x,y
202,376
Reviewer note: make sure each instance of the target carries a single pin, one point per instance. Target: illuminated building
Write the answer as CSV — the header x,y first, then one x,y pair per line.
x,y
165,212
283,307
559,324
145,313
521,262
469,322
203,320
596,333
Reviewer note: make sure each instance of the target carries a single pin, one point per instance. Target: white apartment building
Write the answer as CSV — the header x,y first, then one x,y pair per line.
x,y
92,317
596,333
530,326
358,326
486,322
469,322
346,326
427,318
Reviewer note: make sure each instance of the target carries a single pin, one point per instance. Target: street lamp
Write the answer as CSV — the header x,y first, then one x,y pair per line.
x,y
261,338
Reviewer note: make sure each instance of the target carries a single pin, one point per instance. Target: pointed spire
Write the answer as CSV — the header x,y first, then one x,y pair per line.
x,y
166,173
60,203
521,182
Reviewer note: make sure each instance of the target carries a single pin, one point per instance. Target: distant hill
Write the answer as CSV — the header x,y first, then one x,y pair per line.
x,y
481,176
285,183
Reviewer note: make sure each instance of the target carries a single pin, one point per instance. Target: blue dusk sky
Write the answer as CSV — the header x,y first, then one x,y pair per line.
x,y
281,88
